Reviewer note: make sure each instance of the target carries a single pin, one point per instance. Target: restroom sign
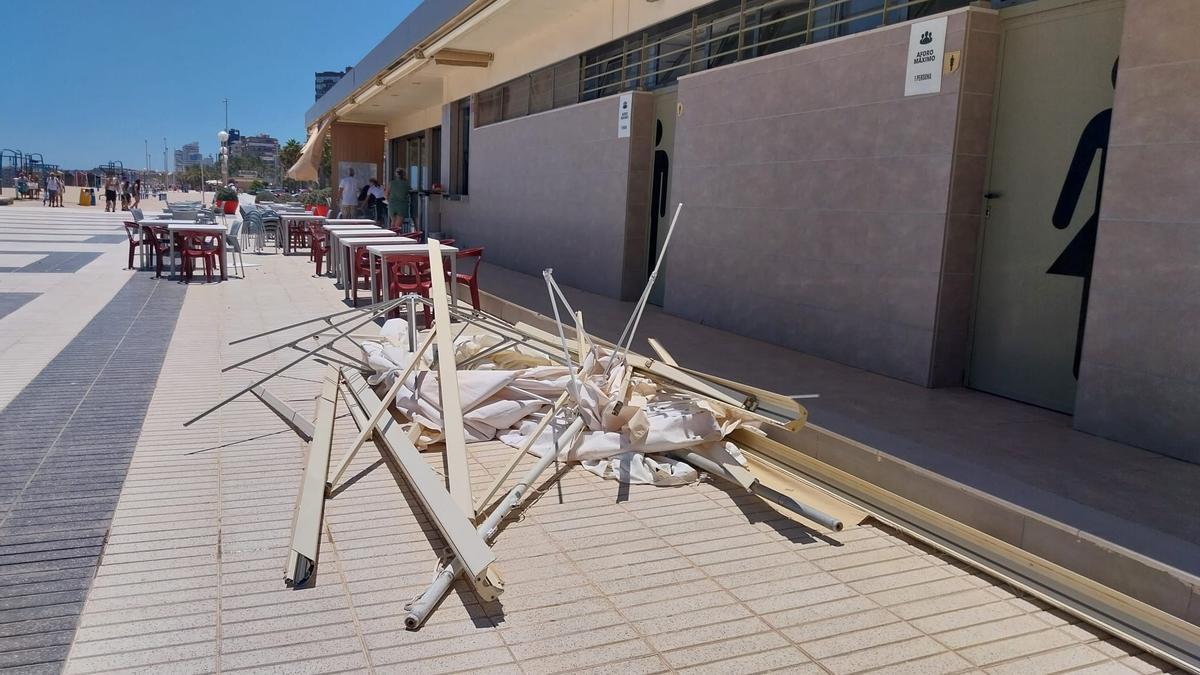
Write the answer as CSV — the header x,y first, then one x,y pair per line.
x,y
624,115
926,42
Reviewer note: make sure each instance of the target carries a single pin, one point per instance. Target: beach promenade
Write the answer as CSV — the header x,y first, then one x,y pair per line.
x,y
129,543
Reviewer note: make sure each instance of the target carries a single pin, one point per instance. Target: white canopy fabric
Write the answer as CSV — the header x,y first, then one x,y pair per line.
x,y
305,168
504,395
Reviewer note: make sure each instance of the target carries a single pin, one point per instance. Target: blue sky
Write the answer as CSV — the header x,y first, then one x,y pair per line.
x,y
91,80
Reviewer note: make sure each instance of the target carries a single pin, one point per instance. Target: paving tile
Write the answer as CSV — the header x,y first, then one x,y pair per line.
x,y
697,654
883,655
595,583
1058,660
854,640
1014,647
787,659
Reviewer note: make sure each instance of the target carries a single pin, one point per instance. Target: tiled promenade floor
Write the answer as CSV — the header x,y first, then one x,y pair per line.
x,y
688,579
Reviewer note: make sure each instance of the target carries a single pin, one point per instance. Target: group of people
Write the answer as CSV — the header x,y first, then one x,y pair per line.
x,y
130,193
51,192
389,204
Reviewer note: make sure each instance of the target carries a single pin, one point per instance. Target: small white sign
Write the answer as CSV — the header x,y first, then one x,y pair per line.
x,y
926,42
624,115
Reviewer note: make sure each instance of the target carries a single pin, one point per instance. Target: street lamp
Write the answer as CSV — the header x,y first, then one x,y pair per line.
x,y
223,138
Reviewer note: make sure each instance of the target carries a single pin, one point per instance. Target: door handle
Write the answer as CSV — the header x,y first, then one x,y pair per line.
x,y
992,195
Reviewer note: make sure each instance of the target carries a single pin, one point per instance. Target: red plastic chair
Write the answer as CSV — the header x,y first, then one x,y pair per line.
x,y
409,274
362,272
321,210
308,208
298,237
134,232
320,245
414,235
471,280
197,245
158,248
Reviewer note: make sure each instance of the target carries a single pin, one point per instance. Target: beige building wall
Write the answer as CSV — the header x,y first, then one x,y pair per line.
x,y
560,189
1139,380
827,212
524,36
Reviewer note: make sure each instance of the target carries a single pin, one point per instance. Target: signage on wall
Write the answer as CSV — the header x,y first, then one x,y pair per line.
x,y
926,40
624,114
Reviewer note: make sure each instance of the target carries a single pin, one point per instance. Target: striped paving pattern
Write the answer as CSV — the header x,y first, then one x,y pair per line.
x,y
82,274
689,579
65,442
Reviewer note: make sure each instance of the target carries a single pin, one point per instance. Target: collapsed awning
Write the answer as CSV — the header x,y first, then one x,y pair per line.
x,y
305,168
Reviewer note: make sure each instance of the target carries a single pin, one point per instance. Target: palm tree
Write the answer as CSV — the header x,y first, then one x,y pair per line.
x,y
289,154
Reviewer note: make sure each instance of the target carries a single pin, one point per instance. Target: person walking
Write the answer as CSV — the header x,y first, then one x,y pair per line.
x,y
375,205
110,194
51,190
347,195
398,200
137,193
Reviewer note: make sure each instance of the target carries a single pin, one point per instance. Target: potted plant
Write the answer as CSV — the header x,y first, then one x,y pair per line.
x,y
227,199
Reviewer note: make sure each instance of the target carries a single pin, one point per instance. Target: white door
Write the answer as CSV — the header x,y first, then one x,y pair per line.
x,y
1048,151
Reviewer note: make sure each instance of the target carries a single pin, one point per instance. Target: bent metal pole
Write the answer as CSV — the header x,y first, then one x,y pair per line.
x,y
631,326
419,608
277,371
374,311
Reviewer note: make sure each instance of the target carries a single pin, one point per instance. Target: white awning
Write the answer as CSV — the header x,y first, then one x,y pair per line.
x,y
305,168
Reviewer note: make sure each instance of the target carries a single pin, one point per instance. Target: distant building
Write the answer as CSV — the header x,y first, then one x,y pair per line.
x,y
189,156
325,80
262,146
234,137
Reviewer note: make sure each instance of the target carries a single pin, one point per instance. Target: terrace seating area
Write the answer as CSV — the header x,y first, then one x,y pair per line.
x,y
362,257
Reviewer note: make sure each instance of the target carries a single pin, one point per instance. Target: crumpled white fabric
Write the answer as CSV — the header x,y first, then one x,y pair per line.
x,y
630,422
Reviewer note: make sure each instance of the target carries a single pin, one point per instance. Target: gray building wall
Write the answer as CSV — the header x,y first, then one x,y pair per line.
x,y
559,189
826,212
1139,379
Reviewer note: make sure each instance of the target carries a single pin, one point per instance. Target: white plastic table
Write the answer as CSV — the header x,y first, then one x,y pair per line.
x,y
350,244
175,227
384,251
292,219
143,249
334,232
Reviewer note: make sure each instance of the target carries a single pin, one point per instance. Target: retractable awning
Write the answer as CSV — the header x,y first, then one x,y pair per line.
x,y
305,168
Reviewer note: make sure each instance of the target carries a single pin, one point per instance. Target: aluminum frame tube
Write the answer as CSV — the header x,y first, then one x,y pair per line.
x,y
419,608
451,521
757,488
310,504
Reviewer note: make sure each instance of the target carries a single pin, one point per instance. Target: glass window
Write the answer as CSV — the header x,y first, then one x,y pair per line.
x,y
602,69
844,17
566,82
460,147
516,98
717,28
541,90
668,52
464,149
488,106
775,26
